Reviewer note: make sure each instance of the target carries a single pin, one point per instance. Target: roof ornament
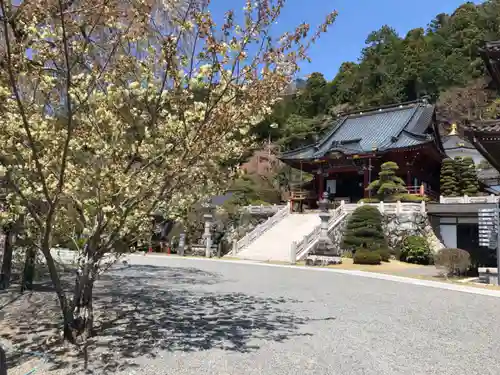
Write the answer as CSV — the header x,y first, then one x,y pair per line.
x,y
454,129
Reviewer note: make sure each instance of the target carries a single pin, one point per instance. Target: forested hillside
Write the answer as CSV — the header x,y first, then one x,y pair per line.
x,y
440,61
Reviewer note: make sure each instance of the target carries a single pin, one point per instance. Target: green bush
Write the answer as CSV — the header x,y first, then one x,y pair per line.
x,y
364,230
388,185
363,256
449,184
384,253
415,250
370,200
410,198
455,261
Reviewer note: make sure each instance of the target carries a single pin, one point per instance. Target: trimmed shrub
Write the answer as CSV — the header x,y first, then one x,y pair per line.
x,y
468,180
449,185
388,185
410,198
385,254
364,230
370,200
455,261
415,250
363,256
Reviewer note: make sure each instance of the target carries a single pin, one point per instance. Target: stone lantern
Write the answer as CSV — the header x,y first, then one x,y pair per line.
x,y
325,252
208,217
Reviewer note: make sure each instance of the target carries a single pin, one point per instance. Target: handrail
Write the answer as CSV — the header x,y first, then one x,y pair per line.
x,y
303,247
466,199
262,209
260,229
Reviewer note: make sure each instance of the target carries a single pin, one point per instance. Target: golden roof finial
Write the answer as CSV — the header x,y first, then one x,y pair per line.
x,y
453,130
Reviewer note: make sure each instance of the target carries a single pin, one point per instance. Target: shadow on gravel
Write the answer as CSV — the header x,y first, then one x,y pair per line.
x,y
141,310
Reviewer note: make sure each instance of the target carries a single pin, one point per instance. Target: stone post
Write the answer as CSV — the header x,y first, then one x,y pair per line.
x,y
324,253
398,208
182,243
422,208
208,234
235,247
293,253
381,207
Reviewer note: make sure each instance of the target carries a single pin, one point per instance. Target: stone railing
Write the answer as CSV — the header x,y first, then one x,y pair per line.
x,y
264,210
466,199
303,247
390,208
260,229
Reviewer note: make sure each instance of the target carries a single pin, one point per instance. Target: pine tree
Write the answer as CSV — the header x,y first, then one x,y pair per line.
x,y
459,175
388,186
364,230
469,178
449,186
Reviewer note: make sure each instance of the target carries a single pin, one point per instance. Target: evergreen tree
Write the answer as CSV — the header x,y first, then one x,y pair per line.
x,y
449,184
388,186
469,178
459,175
364,230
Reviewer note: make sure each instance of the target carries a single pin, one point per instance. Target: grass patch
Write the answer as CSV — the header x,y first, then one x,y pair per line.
x,y
392,266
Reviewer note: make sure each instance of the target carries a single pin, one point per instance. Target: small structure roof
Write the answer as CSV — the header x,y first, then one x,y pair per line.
x,y
453,141
383,129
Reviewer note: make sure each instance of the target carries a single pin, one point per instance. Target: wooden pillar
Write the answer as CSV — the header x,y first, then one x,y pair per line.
x,y
321,185
366,182
408,178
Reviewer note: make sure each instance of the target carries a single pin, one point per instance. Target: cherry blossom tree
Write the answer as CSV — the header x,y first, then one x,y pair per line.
x,y
112,110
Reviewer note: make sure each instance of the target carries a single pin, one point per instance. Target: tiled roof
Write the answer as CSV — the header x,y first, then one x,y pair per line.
x,y
452,142
381,129
488,126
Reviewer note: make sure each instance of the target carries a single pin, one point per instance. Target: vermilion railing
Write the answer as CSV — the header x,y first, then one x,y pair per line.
x,y
422,191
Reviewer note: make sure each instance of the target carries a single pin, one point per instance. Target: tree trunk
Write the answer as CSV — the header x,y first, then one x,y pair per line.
x,y
7,260
3,362
78,316
29,269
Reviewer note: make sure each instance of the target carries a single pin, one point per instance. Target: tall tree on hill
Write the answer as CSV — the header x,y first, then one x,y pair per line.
x,y
449,184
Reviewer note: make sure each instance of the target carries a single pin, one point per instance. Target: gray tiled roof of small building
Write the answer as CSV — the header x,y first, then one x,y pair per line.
x,y
451,142
382,129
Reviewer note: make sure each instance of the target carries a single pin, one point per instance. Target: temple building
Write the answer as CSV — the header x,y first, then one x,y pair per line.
x,y
456,146
348,158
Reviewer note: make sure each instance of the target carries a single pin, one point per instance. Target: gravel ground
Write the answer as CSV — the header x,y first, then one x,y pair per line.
x,y
192,317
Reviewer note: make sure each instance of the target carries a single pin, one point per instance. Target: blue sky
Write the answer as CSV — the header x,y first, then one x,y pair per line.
x,y
357,18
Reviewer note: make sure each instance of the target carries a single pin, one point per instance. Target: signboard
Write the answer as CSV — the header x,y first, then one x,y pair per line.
x,y
488,226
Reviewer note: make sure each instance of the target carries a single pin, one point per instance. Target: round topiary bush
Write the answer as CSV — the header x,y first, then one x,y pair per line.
x,y
364,230
455,261
416,250
363,256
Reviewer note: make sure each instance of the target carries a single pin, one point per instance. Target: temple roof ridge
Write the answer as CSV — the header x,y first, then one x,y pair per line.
x,y
395,126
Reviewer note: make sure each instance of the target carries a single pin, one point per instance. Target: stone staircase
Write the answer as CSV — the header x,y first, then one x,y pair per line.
x,y
259,230
288,237
275,244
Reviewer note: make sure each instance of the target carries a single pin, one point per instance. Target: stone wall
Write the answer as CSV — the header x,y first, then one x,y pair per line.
x,y
396,228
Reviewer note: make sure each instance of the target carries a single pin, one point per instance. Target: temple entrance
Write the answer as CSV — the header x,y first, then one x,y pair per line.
x,y
345,186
